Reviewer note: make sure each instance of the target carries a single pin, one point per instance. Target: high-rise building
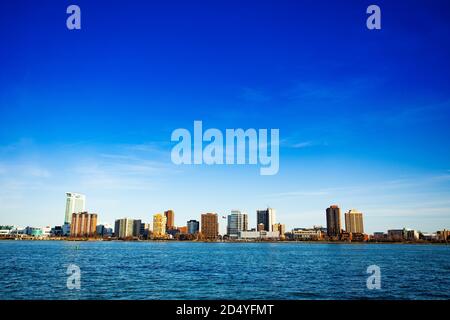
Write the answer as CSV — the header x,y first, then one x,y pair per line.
x,y
237,221
210,226
75,203
267,218
83,224
354,221
159,225
124,228
193,226
137,228
170,217
333,221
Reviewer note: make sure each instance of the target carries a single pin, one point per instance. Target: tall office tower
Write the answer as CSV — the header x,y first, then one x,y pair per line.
x,y
137,228
210,226
267,218
193,226
83,224
159,225
237,222
123,228
354,221
75,203
333,221
170,216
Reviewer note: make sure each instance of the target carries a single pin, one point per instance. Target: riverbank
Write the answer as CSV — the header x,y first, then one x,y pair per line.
x,y
218,241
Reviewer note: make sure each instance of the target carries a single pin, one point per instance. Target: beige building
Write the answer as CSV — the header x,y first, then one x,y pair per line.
x,y
159,225
83,224
281,228
354,221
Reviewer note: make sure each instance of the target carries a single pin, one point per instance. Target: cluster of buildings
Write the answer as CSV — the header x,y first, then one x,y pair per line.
x,y
80,224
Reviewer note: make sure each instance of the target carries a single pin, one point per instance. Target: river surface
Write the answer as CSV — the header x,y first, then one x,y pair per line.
x,y
190,270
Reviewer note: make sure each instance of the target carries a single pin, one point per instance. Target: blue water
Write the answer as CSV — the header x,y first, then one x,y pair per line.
x,y
186,270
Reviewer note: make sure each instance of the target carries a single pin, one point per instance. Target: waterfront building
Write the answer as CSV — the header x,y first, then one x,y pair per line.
x,y
75,203
333,214
56,231
137,228
46,231
237,221
379,236
210,226
172,233
281,228
6,230
183,230
397,234
123,228
412,235
65,229
306,234
443,235
170,219
354,221
266,217
144,230
260,227
159,225
354,236
33,231
259,235
193,226
104,230
83,224
429,236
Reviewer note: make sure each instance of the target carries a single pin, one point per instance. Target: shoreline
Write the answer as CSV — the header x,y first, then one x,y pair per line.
x,y
236,242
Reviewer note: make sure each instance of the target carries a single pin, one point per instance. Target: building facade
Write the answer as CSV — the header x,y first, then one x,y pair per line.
x,y
75,203
123,228
83,224
354,221
210,226
259,235
267,218
333,221
193,226
159,225
237,221
170,219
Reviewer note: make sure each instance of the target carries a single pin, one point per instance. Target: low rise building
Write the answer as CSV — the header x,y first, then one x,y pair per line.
x,y
306,234
259,235
397,235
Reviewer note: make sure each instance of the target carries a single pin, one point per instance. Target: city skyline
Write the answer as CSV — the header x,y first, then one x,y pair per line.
x,y
363,114
161,223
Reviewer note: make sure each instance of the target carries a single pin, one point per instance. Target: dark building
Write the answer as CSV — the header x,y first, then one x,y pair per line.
x,y
333,221
266,218
193,226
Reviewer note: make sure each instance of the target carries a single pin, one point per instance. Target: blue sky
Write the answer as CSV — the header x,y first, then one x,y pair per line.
x,y
363,115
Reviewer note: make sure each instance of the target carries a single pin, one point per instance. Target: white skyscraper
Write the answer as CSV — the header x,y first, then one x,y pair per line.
x,y
75,203
237,222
